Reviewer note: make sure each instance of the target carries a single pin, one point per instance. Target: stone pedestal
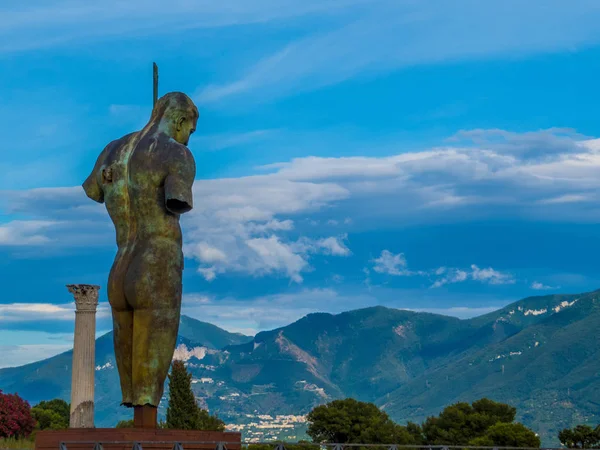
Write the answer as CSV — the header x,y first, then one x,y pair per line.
x,y
145,417
84,347
131,439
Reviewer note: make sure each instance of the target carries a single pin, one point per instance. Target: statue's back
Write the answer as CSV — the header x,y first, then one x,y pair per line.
x,y
137,176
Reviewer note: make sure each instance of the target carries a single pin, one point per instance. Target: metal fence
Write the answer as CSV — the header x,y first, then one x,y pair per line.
x,y
274,445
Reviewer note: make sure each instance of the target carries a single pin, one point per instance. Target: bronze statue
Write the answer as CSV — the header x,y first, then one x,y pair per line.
x,y
145,180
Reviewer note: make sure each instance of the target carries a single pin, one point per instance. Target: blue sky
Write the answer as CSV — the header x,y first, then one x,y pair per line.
x,y
427,155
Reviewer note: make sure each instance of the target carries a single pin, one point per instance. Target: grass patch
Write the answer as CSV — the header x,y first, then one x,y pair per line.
x,y
16,444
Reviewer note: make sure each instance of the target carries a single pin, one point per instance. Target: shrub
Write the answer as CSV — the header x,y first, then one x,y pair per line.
x,y
16,420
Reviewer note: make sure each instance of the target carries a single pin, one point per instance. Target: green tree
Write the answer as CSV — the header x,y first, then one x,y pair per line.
x,y
582,436
301,445
52,414
48,420
183,412
125,424
507,435
416,432
451,427
460,423
352,422
207,422
129,424
493,412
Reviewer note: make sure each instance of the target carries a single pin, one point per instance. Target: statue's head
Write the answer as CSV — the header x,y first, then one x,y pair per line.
x,y
176,115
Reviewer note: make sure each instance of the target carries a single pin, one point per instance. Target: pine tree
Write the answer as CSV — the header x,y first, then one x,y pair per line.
x,y
182,413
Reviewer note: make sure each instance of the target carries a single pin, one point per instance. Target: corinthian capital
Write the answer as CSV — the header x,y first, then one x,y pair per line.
x,y
86,296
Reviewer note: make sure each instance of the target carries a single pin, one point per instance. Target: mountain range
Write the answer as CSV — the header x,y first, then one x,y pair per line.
x,y
540,354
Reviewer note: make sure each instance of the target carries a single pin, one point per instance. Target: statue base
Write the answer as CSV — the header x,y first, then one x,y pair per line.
x,y
136,438
145,417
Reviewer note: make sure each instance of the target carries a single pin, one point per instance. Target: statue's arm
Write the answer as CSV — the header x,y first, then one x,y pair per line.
x,y
179,181
91,185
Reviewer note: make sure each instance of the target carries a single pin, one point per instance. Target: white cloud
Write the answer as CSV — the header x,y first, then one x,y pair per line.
x,y
334,246
276,256
396,264
24,232
197,299
209,273
248,224
207,254
540,286
450,276
259,256
488,275
30,312
17,311
232,228
541,145
271,225
237,225
391,264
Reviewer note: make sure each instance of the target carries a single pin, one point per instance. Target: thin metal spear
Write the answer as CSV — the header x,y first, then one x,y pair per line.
x,y
155,73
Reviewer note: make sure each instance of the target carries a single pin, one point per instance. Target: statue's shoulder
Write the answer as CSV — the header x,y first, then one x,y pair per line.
x,y
115,145
175,151
126,138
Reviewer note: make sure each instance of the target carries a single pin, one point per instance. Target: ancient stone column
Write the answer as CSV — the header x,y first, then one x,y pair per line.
x,y
84,347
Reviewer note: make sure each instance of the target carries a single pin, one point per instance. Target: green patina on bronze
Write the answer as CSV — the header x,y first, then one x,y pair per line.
x,y
145,180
